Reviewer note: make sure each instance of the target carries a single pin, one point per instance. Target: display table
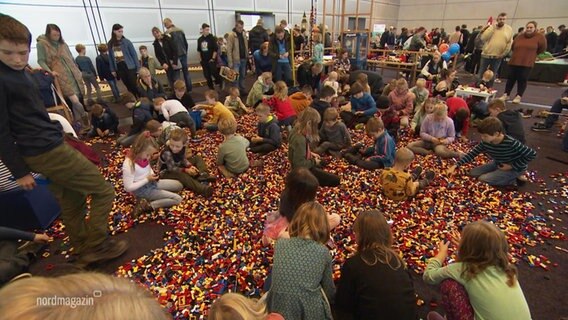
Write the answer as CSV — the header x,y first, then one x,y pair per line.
x,y
543,71
469,91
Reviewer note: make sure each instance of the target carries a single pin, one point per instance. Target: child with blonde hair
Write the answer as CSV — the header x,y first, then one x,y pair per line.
x,y
268,136
281,105
334,135
482,278
380,155
421,112
397,183
437,132
232,155
234,306
262,86
217,110
317,56
305,134
175,112
331,81
176,162
302,285
139,178
420,93
161,131
363,288
88,72
234,103
363,80
180,94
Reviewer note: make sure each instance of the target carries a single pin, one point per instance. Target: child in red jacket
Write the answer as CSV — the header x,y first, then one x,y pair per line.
x,y
459,112
281,105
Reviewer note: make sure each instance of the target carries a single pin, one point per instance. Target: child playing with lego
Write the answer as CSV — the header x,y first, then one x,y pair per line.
x,y
511,119
88,72
232,155
217,109
360,109
104,121
180,94
160,131
261,87
332,82
380,155
477,104
400,185
401,104
324,101
436,134
302,99
234,103
420,93
281,105
178,163
421,113
433,67
334,135
141,114
510,157
139,178
304,134
482,283
268,136
458,111
174,111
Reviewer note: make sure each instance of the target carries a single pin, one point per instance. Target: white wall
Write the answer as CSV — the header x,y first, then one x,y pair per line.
x,y
450,13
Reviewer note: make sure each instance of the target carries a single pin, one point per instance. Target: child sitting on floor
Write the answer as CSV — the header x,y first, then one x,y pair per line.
x,y
421,113
302,99
436,134
305,134
160,131
380,155
401,103
420,93
511,119
482,279
302,269
334,135
269,137
458,111
141,114
360,109
175,112
397,183
332,82
510,157
234,103
232,155
190,171
139,178
262,86
363,80
477,104
103,120
324,101
181,95
217,109
280,104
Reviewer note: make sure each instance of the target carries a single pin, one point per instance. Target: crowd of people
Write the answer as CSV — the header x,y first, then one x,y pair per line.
x,y
312,121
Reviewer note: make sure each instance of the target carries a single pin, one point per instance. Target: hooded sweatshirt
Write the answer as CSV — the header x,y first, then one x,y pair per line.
x,y
269,131
512,124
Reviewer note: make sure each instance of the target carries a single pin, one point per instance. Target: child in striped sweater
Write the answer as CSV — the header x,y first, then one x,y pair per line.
x,y
510,157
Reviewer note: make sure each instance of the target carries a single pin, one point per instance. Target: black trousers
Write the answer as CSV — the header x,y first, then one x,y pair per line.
x,y
352,119
210,72
325,179
520,75
128,77
12,262
262,148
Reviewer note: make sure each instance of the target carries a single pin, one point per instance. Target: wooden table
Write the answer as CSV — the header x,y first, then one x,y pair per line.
x,y
411,67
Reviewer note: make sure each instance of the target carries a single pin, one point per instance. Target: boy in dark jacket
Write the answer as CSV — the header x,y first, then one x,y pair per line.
x,y
141,114
324,101
511,119
104,121
103,69
269,137
379,156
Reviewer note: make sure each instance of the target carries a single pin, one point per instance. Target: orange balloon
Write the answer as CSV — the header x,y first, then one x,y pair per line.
x,y
444,47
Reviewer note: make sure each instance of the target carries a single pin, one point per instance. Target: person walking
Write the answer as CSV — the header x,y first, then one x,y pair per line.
x,y
237,53
497,39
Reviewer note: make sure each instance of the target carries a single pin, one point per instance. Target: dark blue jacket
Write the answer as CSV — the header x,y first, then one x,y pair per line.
x,y
383,151
270,132
141,114
108,121
366,104
103,67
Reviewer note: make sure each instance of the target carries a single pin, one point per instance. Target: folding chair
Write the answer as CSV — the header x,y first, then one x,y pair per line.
x,y
50,93
61,103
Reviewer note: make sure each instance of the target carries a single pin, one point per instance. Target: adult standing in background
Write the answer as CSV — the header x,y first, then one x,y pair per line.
x,y
418,42
54,56
387,38
562,40
166,53
551,38
279,50
180,42
456,37
435,36
474,47
237,53
123,58
208,50
465,37
497,39
526,47
257,36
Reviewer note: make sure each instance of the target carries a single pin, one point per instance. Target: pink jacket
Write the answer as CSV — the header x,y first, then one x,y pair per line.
x,y
401,101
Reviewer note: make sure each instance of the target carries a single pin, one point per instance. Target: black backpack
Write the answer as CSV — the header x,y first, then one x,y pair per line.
x,y
46,85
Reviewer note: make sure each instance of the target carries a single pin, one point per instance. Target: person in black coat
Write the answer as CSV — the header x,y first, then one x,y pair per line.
x,y
103,70
551,39
257,36
166,53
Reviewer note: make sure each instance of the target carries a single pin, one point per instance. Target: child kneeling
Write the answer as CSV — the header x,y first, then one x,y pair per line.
x,y
381,155
397,183
190,171
139,178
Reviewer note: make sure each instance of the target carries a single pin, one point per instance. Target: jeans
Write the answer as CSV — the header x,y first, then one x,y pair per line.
x,y
126,140
92,80
171,75
114,88
520,75
283,73
492,175
161,194
494,63
241,67
73,181
210,72
425,148
557,107
186,76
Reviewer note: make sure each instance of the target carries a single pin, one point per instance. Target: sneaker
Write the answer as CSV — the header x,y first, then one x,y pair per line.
x,y
498,80
206,177
142,206
429,175
504,97
108,250
540,127
416,173
195,139
517,100
20,276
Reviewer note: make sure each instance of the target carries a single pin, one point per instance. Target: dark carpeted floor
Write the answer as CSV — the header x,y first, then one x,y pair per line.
x,y
545,290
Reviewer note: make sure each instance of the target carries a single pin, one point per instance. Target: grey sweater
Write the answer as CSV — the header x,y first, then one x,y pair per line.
x,y
337,133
